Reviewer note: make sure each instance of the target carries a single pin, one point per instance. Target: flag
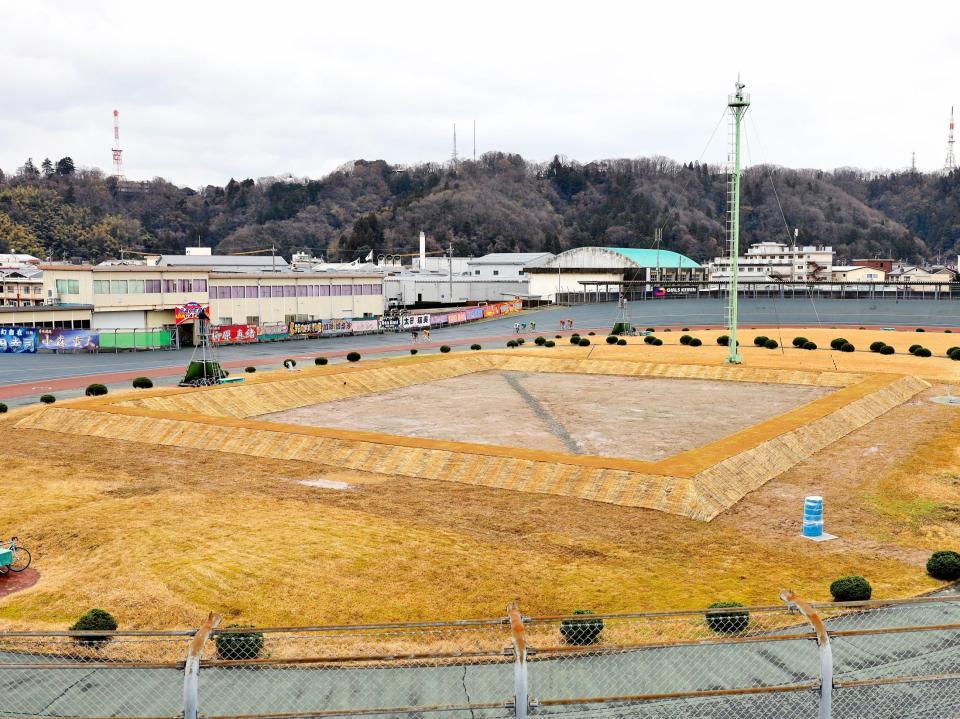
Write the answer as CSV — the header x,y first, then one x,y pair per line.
x,y
369,257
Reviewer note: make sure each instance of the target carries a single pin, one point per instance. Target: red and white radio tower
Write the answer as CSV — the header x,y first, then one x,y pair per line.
x,y
117,152
950,164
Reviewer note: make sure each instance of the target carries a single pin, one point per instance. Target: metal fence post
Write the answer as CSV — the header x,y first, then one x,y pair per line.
x,y
519,661
191,667
823,643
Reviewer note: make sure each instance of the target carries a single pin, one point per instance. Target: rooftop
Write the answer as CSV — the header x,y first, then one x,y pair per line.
x,y
510,258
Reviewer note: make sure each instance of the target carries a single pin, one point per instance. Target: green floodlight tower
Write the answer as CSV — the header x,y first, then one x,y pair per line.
x,y
738,103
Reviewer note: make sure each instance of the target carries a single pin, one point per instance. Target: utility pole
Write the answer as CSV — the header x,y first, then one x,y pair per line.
x,y
450,269
474,140
950,164
793,255
738,103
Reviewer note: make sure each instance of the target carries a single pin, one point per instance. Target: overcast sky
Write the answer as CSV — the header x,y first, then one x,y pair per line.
x,y
213,90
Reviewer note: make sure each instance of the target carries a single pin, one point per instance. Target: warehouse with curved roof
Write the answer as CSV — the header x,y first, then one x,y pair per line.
x,y
568,275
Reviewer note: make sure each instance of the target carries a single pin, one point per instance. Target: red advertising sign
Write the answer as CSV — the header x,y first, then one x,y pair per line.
x,y
189,312
491,310
234,334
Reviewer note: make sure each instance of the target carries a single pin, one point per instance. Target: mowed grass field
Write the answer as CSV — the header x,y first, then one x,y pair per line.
x,y
160,536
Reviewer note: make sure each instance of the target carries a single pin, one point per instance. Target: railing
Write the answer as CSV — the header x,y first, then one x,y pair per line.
x,y
860,659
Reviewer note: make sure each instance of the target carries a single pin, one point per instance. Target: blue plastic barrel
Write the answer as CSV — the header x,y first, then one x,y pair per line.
x,y
813,516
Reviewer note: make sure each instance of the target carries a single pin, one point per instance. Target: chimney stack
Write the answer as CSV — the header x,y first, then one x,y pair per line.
x,y
423,251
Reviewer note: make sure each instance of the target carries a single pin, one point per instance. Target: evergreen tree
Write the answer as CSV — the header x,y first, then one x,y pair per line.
x,y
65,166
47,167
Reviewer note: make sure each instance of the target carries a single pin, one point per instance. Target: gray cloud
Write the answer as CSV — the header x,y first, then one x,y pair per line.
x,y
216,89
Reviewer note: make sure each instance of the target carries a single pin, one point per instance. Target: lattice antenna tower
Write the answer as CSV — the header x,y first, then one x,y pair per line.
x,y
117,152
950,164
453,156
737,104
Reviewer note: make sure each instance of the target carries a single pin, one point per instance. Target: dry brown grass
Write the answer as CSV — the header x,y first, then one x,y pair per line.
x,y
161,535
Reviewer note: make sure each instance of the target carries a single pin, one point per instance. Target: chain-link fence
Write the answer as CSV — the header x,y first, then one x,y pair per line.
x,y
853,660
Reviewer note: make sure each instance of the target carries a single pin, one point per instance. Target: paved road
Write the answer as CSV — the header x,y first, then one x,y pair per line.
x,y
225,691
24,377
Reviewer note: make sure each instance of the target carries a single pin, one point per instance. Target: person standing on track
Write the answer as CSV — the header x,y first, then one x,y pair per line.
x,y
413,334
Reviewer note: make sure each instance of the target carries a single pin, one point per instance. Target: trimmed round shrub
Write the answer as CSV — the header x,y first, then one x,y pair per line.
x,y
760,340
950,350
289,363
584,342
955,354
657,342
353,357
3,408
923,352
913,348
94,620
667,329
239,645
540,340
47,398
887,350
799,341
838,343
548,343
650,329
771,344
574,339
413,350
620,342
475,347
95,390
809,345
685,339
695,341
591,333
321,360
558,337
520,340
877,346
847,347
612,339
945,565
948,332
723,340
142,383
920,329
684,329
727,617
250,370
581,631
444,348
512,343
649,339
851,589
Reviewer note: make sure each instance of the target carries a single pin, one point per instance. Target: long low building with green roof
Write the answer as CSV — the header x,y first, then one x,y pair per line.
x,y
582,270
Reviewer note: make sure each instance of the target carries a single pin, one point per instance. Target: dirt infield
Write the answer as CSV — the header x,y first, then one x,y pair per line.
x,y
635,417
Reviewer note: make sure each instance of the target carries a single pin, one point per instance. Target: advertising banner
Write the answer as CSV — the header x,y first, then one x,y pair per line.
x,y
504,308
234,334
659,292
516,305
414,321
390,324
457,317
19,339
62,339
491,310
438,320
321,327
474,313
189,312
365,326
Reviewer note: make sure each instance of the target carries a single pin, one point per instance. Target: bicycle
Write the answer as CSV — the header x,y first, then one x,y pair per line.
x,y
19,558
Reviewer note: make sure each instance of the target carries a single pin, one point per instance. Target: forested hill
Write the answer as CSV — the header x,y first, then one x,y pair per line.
x,y
499,203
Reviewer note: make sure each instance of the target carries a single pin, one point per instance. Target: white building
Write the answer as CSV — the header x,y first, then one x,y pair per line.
x,y
203,257
506,265
779,262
